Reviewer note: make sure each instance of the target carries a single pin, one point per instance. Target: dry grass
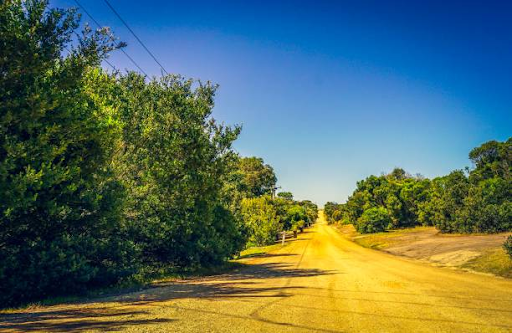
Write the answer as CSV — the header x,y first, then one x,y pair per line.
x,y
383,240
495,261
477,252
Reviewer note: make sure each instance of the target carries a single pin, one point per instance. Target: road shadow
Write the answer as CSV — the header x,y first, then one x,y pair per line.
x,y
243,282
115,313
266,255
76,320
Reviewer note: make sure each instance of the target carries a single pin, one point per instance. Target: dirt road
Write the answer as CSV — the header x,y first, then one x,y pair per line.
x,y
321,282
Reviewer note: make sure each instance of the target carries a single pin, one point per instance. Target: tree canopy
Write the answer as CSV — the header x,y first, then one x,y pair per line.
x,y
107,177
477,200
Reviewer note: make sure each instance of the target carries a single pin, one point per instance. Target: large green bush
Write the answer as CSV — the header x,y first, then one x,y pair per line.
x,y
262,219
375,219
172,162
508,246
59,204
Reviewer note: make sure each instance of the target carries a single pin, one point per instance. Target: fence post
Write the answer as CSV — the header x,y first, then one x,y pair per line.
x,y
284,237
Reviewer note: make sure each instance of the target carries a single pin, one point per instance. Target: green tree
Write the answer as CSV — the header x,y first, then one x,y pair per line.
x,y
260,216
59,204
285,195
486,208
492,159
295,217
375,219
311,211
174,162
508,246
329,209
452,188
258,178
478,201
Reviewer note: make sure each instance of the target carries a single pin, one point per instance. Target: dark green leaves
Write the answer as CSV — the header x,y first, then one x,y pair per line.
x,y
474,201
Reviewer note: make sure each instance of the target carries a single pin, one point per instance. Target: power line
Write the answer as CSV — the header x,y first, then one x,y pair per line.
x,y
133,33
122,50
113,67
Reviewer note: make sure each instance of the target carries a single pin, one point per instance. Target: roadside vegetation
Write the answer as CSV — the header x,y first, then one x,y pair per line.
x,y
474,201
111,178
495,261
477,200
508,246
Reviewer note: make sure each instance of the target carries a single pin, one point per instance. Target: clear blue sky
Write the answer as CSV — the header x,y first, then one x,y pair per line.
x,y
331,93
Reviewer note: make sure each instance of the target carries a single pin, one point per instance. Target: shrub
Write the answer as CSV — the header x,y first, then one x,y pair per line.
x,y
375,219
261,218
337,215
59,205
508,246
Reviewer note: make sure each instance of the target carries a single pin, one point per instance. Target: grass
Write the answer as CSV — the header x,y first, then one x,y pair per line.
x,y
495,261
259,250
382,240
376,242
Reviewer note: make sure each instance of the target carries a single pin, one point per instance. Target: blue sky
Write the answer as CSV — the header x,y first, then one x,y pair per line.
x,y
331,92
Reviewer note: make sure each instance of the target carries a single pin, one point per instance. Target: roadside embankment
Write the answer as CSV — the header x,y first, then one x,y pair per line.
x,y
480,252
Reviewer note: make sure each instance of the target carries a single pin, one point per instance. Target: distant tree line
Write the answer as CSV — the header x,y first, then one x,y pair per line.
x,y
106,177
476,200
266,217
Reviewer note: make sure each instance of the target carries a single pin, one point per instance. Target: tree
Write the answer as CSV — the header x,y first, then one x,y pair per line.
x,y
476,201
508,246
262,220
398,174
398,192
258,178
295,217
311,211
174,161
104,176
337,215
59,204
486,207
375,219
492,159
329,209
285,195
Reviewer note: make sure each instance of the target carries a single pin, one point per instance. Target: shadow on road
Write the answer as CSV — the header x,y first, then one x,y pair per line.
x,y
114,313
267,255
77,320
259,285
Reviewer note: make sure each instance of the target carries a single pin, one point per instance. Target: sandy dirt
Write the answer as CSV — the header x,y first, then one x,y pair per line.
x,y
321,282
427,243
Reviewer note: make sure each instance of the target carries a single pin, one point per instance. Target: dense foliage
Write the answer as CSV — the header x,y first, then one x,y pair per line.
x,y
261,219
107,175
375,219
508,246
170,159
249,187
59,202
478,200
266,217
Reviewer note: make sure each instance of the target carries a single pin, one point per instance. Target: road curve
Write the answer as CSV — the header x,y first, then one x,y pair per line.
x,y
320,282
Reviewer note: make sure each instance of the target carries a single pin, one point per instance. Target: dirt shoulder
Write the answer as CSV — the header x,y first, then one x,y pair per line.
x,y
482,253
